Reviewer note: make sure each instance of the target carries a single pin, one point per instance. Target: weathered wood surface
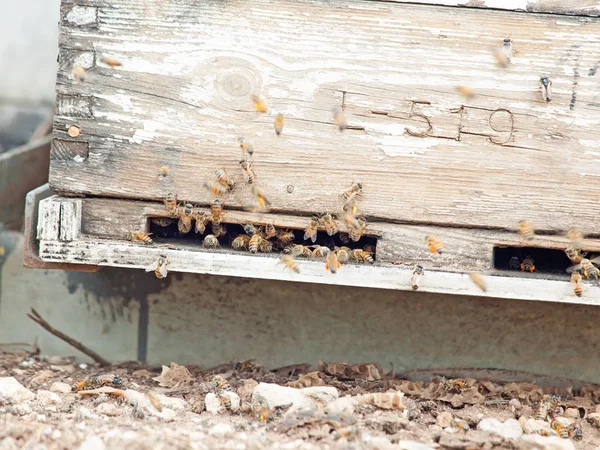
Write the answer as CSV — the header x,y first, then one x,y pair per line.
x,y
182,97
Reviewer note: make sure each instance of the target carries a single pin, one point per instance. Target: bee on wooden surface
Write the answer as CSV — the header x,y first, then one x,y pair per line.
x,y
140,236
170,202
246,147
417,274
210,241
330,225
460,424
218,229
504,54
320,251
528,264
216,188
286,236
259,104
361,256
264,414
578,283
546,86
514,263
455,385
265,246
154,400
573,254
225,179
254,243
278,124
249,174
434,244
356,233
240,242
202,220
270,230
339,118
290,262
311,230
250,229
161,221
221,383
297,250
112,62
159,267
79,74
163,172
261,196
525,229
184,225
216,211
574,235
96,382
587,268
465,91
548,405
344,254
332,263
354,191
478,280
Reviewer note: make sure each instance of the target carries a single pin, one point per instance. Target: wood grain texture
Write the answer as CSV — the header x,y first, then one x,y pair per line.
x,y
182,97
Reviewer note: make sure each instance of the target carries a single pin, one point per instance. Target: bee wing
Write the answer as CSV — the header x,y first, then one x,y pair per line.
x,y
163,271
153,267
595,261
574,268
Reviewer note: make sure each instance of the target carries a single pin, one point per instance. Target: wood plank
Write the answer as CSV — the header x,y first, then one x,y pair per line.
x,y
182,100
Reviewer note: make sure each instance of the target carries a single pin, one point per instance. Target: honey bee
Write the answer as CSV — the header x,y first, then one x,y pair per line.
x,y
161,221
218,229
311,230
286,236
356,233
264,414
339,118
216,188
270,230
184,225
525,229
163,171
96,382
154,400
578,282
514,263
460,424
297,250
343,254
247,171
465,91
201,221
354,191
418,273
255,242
170,202
573,234
546,86
139,236
478,280
434,244
246,366
560,429
225,179
79,74
456,385
221,383
112,62
159,267
216,211
245,146
332,263
250,229
587,268
265,246
504,54
290,262
361,256
527,264
549,404
320,251
263,201
278,124
329,223
259,104
240,242
210,241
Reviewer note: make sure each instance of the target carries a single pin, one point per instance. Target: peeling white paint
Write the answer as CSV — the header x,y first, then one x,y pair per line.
x,y
82,15
122,100
84,59
508,4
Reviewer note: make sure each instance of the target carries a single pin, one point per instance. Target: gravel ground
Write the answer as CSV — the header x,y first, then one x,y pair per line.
x,y
54,403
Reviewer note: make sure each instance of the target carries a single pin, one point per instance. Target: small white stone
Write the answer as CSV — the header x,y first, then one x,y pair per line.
x,y
515,404
344,405
10,388
534,426
84,413
412,445
379,443
167,414
535,442
212,403
220,429
443,419
92,443
56,434
60,387
175,403
510,429
108,409
572,413
48,398
273,396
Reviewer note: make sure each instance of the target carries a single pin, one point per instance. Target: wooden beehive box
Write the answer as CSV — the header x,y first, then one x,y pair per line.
x,y
431,161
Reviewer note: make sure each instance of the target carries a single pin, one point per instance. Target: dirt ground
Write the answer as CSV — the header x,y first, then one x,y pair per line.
x,y
335,405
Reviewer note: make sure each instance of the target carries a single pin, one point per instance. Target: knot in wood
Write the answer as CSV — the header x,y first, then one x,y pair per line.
x,y
235,84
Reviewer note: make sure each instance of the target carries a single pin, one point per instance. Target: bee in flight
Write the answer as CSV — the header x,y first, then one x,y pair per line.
x,y
216,188
546,86
163,172
278,124
159,267
139,236
417,274
465,91
332,263
434,244
112,62
263,200
290,262
79,74
478,280
351,194
504,54
339,118
245,146
525,229
528,264
259,104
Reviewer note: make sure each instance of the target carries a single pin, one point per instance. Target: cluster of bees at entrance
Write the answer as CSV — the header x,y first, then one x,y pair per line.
x,y
266,237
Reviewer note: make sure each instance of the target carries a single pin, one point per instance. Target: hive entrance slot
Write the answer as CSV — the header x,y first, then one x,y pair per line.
x,y
545,260
169,232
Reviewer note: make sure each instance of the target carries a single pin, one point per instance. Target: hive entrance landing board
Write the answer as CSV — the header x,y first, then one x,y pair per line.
x,y
182,98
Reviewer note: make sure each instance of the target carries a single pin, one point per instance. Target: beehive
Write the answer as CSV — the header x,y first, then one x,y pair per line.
x,y
431,161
